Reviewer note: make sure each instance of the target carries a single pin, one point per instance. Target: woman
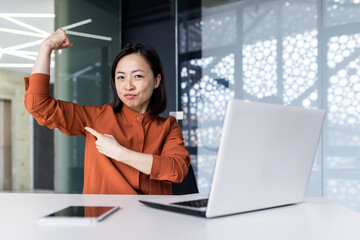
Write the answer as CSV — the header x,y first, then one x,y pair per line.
x,y
129,149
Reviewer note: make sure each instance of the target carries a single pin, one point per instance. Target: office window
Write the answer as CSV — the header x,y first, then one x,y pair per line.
x,y
302,53
341,61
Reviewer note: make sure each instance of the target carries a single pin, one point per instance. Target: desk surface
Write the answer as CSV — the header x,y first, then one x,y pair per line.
x,y
316,218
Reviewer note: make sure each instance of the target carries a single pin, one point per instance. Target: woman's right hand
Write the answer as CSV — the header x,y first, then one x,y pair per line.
x,y
58,40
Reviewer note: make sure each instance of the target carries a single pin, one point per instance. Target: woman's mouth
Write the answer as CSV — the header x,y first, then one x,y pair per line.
x,y
129,96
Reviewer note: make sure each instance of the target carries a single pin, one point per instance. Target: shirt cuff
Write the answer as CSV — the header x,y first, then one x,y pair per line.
x,y
155,169
37,83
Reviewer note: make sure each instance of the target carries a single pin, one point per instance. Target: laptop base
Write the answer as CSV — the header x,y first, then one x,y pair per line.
x,y
171,208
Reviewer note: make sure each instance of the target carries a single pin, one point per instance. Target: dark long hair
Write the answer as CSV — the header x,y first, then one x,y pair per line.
x,y
158,100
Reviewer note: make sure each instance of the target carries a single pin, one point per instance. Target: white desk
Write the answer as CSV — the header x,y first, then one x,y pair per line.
x,y
316,218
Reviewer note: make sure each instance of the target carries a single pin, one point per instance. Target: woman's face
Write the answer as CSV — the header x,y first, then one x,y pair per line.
x,y
135,82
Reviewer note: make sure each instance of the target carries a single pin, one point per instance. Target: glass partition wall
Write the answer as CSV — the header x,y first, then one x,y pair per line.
x,y
303,53
83,75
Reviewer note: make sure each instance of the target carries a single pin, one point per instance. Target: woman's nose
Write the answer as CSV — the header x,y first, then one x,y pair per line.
x,y
129,85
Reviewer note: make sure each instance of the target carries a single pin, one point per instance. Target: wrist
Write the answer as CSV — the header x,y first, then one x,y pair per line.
x,y
124,155
46,46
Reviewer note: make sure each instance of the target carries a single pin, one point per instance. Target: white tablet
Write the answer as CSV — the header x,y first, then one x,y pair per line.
x,y
83,215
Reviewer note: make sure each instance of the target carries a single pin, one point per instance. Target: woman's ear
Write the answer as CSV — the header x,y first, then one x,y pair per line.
x,y
157,81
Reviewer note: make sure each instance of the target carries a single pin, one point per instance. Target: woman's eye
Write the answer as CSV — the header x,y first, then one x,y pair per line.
x,y
138,76
120,77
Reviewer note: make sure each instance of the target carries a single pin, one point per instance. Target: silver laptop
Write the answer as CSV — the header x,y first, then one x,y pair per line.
x,y
265,157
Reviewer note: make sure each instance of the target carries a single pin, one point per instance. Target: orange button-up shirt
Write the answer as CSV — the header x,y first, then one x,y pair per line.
x,y
139,132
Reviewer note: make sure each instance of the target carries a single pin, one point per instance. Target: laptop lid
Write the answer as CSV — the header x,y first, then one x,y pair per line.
x,y
265,157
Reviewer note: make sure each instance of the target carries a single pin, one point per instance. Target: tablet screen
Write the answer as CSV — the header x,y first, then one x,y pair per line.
x,y
78,215
82,211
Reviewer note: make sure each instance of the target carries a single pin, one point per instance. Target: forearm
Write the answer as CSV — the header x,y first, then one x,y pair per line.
x,y
140,161
43,60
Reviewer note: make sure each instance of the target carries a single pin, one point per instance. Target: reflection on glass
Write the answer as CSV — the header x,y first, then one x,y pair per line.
x,y
203,99
341,12
344,190
219,29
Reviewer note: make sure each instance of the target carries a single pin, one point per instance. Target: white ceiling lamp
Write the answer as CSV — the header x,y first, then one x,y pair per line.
x,y
18,50
28,15
25,25
24,33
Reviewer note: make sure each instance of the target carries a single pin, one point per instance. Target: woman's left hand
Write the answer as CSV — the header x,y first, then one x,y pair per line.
x,y
107,144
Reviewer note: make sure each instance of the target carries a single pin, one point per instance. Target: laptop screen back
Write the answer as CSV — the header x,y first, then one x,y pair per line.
x,y
265,156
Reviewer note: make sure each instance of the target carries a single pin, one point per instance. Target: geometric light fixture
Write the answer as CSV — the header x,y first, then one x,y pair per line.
x,y
20,51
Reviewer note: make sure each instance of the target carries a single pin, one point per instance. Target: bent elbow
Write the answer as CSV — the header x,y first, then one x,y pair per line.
x,y
27,104
180,174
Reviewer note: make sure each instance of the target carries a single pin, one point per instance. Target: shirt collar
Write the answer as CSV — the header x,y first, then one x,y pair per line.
x,y
133,115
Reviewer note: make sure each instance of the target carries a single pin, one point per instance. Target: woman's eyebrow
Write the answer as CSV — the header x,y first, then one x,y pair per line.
x,y
137,70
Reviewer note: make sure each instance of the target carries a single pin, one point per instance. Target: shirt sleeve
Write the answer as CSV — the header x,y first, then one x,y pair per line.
x,y
173,163
70,118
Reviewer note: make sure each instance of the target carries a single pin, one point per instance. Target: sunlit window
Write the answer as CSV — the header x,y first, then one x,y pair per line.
x,y
302,53
300,68
259,68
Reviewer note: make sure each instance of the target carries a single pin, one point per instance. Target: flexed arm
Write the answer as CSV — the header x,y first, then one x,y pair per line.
x,y
57,40
70,118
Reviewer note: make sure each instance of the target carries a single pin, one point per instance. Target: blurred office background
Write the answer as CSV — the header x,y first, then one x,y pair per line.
x,y
296,52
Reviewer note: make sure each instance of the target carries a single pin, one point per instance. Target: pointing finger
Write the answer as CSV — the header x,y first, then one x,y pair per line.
x,y
93,132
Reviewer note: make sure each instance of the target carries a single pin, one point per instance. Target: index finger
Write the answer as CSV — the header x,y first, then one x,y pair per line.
x,y
93,132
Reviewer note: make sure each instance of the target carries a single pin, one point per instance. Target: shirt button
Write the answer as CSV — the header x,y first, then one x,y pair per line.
x,y
138,117
158,175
